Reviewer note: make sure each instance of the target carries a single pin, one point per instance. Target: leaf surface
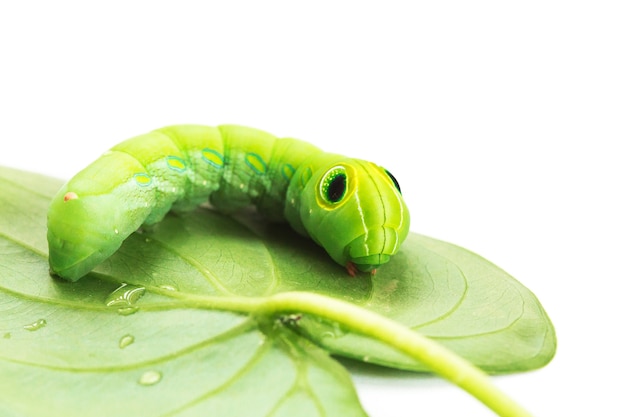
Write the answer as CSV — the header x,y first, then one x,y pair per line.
x,y
115,342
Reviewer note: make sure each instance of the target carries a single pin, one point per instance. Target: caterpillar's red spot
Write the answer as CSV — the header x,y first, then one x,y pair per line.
x,y
351,268
374,271
70,196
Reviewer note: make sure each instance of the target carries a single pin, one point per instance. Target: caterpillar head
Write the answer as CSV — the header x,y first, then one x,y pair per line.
x,y
355,211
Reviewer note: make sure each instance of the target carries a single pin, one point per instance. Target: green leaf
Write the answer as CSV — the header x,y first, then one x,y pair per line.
x,y
64,352
439,289
457,298
124,339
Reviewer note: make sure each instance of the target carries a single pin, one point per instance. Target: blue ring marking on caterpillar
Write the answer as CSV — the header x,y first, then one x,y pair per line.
x,y
288,171
256,163
176,163
214,158
142,179
306,176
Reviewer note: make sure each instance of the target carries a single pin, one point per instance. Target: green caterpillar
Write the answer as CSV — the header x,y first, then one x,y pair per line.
x,y
352,208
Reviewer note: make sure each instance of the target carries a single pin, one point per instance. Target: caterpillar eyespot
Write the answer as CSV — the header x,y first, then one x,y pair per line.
x,y
350,207
394,180
334,185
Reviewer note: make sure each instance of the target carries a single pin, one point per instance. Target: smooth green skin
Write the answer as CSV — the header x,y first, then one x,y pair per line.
x,y
178,167
366,227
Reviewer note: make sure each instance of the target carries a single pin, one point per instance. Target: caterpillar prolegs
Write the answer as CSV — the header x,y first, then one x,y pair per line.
x,y
350,207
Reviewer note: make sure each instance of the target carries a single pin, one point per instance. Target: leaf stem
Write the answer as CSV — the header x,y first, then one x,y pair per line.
x,y
435,356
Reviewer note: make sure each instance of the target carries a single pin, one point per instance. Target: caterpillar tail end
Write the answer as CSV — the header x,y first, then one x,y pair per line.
x,y
84,230
64,264
65,275
69,272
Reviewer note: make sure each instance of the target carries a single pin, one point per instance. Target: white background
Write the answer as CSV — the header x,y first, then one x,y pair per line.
x,y
501,121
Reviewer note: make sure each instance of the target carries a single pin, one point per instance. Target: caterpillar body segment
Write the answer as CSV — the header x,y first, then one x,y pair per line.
x,y
352,208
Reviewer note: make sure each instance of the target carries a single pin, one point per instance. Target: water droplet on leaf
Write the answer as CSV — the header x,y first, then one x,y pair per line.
x,y
168,287
126,340
125,295
36,325
124,298
127,311
150,378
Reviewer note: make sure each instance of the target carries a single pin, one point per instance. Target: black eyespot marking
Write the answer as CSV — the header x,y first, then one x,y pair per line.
x,y
336,188
395,181
334,185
